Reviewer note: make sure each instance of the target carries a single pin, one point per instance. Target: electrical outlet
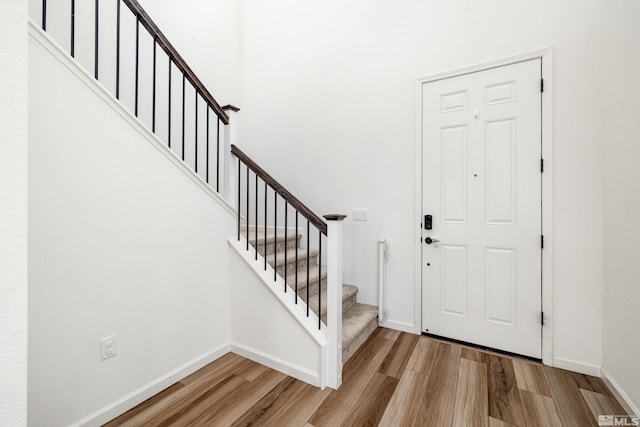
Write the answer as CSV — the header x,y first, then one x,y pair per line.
x,y
108,347
360,214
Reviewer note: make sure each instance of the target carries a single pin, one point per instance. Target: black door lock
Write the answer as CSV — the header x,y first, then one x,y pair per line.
x,y
428,222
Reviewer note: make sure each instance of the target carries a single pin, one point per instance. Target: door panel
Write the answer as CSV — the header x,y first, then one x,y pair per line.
x,y
453,158
482,184
501,171
454,280
500,283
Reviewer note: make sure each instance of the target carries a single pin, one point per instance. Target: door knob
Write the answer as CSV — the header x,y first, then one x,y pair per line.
x,y
429,240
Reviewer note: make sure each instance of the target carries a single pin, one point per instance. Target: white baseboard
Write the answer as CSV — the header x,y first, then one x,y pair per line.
x,y
138,396
576,366
398,326
284,366
620,394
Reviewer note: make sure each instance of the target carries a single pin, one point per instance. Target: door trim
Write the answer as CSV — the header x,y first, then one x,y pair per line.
x,y
546,56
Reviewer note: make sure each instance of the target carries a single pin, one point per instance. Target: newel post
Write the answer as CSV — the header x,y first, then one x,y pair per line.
x,y
229,178
334,300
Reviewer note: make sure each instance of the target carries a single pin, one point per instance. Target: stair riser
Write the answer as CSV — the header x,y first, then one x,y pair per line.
x,y
291,266
346,305
313,287
351,348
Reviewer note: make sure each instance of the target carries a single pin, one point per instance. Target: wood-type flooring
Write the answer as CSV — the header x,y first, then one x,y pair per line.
x,y
395,379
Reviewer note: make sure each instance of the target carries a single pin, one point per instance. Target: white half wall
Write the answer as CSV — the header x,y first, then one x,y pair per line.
x,y
328,108
121,241
266,326
13,213
621,154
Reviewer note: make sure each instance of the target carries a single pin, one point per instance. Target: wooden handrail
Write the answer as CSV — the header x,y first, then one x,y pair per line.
x,y
164,43
283,192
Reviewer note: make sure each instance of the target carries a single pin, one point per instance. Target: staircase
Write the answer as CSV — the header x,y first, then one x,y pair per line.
x,y
201,143
358,320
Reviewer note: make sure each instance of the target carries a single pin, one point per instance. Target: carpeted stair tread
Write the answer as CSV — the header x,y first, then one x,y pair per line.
x,y
271,237
355,320
291,257
302,279
272,242
348,291
302,275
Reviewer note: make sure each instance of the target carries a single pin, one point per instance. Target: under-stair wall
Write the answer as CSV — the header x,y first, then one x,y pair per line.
x,y
267,327
123,240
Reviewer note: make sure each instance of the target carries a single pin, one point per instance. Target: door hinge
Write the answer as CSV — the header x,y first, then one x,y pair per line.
x,y
542,241
541,85
541,165
542,318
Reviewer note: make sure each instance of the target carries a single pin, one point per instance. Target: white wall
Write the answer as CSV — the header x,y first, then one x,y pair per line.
x,y
121,241
207,34
621,153
13,213
330,86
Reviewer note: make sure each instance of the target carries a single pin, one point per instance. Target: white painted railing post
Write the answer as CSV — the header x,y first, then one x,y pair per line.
x,y
334,301
229,175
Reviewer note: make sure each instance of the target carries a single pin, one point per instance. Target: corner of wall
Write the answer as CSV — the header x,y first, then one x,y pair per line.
x,y
13,213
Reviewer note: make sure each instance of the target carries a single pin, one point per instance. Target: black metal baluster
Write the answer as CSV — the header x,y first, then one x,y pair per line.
x,y
207,156
256,224
308,253
196,137
239,164
296,263
153,96
118,50
73,28
95,74
286,245
44,15
169,109
137,63
184,79
275,235
265,226
320,281
218,159
248,211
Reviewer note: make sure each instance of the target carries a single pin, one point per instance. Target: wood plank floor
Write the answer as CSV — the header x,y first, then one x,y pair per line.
x,y
395,379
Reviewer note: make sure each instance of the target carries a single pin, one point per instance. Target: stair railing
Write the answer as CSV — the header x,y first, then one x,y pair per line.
x,y
193,137
198,135
263,203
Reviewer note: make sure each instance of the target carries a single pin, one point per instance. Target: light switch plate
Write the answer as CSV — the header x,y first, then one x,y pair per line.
x,y
108,347
360,214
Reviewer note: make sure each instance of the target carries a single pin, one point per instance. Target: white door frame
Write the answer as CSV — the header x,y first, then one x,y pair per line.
x,y
547,267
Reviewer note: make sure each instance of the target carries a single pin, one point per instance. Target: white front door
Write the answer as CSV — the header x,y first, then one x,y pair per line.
x,y
481,171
